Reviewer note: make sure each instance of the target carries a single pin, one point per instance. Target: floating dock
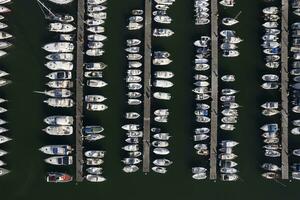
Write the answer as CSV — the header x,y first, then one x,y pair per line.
x,y
79,89
214,91
284,89
147,86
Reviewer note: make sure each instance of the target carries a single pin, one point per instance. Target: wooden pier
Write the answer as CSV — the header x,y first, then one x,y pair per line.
x,y
284,89
79,89
147,86
214,90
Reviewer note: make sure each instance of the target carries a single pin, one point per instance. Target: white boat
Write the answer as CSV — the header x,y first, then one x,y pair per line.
x,y
60,56
59,130
130,168
163,19
93,137
162,136
229,177
96,37
134,86
94,170
162,32
134,57
3,73
296,131
133,42
95,66
59,75
61,150
2,152
271,10
131,161
296,152
94,154
134,26
95,8
93,74
55,47
59,65
227,21
165,2
96,107
162,162
95,178
162,95
98,15
60,84
59,160
131,127
132,115
162,84
95,45
270,85
94,98
3,171
95,2
161,151
4,139
59,120
96,83
230,53
228,78
95,52
61,27
60,103
161,144
160,170
228,143
96,29
5,44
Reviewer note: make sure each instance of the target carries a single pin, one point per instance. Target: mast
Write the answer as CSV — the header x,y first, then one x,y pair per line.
x,y
45,7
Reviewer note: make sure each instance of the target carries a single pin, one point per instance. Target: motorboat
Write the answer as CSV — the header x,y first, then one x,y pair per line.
x,y
2,152
296,152
96,37
94,161
133,42
131,161
162,136
5,44
227,163
161,151
66,37
60,75
98,15
96,107
93,74
228,78
227,21
94,154
134,94
270,167
93,129
133,79
59,130
3,171
93,137
95,52
270,127
94,170
57,177
131,127
61,27
95,8
296,131
60,84
228,170
95,44
162,95
157,32
230,53
270,85
162,162
131,147
95,66
130,168
162,83
229,177
94,22
60,103
4,139
228,143
58,47
60,57
95,178
270,112
270,175
59,160
227,156
61,150
96,83
134,134
272,153
96,29
94,98
59,65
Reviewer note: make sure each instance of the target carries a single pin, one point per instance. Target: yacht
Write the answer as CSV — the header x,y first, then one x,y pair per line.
x,y
60,120
58,47
59,130
95,66
162,32
61,27
57,177
94,98
60,84
94,170
60,160
96,83
57,93
61,150
96,107
95,178
60,103
130,168
94,154
4,139
3,171
59,65
162,162
60,57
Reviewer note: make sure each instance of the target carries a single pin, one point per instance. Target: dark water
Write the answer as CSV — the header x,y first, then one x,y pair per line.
x,y
26,111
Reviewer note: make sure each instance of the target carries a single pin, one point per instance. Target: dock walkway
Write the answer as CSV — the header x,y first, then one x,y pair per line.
x,y
79,89
284,89
214,90
147,85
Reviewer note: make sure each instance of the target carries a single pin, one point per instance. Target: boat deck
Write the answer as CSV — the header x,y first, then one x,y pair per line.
x,y
284,89
214,90
79,89
147,85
